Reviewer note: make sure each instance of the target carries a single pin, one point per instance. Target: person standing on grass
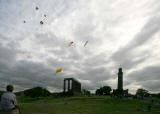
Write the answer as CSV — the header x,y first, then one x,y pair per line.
x,y
8,99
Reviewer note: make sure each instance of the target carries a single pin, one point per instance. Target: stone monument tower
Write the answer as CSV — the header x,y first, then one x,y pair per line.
x,y
119,92
120,79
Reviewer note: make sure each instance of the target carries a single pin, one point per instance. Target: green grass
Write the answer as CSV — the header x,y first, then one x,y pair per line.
x,y
82,105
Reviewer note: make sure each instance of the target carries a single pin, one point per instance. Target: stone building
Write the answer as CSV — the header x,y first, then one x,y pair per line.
x,y
72,85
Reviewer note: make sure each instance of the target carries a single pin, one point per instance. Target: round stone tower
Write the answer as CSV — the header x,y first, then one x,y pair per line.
x,y
120,79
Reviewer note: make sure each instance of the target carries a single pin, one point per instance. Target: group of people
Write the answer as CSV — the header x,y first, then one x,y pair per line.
x,y
8,99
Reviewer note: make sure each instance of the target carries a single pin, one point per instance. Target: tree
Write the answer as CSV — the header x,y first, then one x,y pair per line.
x,y
118,92
142,92
86,92
99,92
37,92
106,90
158,95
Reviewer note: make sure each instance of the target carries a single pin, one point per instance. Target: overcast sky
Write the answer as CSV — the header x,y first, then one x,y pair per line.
x,y
120,33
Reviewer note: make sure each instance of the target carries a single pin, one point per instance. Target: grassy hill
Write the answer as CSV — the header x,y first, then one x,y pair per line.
x,y
53,104
83,105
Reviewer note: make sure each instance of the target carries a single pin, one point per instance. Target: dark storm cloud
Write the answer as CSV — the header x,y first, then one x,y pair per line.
x,y
148,78
148,73
84,31
58,46
36,73
7,56
125,55
7,61
29,74
95,74
152,85
23,73
96,60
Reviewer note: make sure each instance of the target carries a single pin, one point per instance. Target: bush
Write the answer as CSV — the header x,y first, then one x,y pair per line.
x,y
158,95
142,92
37,92
86,92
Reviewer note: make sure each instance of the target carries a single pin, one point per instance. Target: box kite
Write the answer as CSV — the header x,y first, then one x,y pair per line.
x,y
70,43
58,70
37,8
41,22
85,43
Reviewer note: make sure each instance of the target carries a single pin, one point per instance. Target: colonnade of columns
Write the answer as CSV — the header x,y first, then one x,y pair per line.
x,y
73,85
69,84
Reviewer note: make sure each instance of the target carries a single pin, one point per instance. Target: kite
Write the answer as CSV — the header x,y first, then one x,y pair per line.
x,y
70,43
58,70
41,22
24,21
85,43
45,15
37,8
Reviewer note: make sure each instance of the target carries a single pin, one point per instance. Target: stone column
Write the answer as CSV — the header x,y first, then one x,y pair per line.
x,y
64,86
80,87
68,85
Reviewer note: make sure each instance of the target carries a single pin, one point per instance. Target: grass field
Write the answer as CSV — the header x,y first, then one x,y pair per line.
x,y
83,105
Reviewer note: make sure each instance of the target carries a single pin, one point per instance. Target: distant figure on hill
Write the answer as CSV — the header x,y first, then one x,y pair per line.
x,y
8,99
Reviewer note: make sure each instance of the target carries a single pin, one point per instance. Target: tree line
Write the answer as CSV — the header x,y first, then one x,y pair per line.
x,y
107,90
